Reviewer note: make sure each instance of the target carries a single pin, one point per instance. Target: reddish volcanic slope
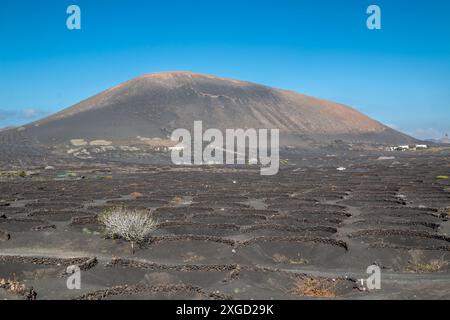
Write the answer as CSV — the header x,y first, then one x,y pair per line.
x,y
153,105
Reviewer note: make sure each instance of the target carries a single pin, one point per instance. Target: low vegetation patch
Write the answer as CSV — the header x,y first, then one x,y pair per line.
x,y
13,286
129,224
13,174
314,287
426,267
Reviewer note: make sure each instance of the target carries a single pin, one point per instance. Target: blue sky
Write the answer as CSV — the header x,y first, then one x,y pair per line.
x,y
399,75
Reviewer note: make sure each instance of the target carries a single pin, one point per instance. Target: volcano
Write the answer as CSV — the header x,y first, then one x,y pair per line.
x,y
154,105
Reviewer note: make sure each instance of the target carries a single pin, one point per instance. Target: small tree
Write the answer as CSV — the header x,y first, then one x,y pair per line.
x,y
131,225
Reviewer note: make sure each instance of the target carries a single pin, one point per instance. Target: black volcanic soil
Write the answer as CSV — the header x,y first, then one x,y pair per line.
x,y
228,233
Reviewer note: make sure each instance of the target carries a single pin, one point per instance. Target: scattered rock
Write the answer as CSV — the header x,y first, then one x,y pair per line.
x,y
32,295
4,236
43,227
89,264
82,220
